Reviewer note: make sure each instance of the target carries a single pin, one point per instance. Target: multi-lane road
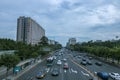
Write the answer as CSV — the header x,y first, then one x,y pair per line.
x,y
76,71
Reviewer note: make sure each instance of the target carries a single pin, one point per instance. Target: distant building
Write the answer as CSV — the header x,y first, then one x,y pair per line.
x,y
51,42
72,41
29,31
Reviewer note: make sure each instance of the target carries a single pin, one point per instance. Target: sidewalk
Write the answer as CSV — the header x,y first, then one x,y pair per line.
x,y
2,70
14,77
25,70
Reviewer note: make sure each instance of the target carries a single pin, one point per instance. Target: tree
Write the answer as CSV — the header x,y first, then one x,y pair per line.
x,y
9,60
43,41
34,54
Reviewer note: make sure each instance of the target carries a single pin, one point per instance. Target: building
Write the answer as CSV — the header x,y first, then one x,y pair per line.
x,y
51,42
29,31
72,41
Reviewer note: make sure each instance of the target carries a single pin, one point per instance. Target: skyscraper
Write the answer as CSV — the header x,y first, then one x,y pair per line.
x,y
29,31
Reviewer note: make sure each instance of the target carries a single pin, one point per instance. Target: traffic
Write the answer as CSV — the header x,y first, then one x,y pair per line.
x,y
70,65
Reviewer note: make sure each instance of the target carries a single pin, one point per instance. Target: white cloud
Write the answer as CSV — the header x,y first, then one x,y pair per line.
x,y
63,18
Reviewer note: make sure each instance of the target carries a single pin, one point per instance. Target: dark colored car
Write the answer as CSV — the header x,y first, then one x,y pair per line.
x,y
103,75
55,72
84,63
83,59
89,62
98,63
40,75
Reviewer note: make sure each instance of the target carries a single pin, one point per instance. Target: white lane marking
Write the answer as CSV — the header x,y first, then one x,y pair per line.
x,y
84,73
65,71
71,69
74,71
51,70
47,69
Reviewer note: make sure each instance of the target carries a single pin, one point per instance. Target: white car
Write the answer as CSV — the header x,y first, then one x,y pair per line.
x,y
65,59
59,62
115,76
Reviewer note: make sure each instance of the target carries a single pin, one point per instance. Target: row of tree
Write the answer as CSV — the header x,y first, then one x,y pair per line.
x,y
23,51
107,49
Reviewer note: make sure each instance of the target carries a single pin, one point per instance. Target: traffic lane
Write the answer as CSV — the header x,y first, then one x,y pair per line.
x,y
76,73
104,68
95,68
60,76
59,67
55,65
33,72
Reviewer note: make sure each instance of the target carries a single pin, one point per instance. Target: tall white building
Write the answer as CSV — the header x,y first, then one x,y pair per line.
x,y
29,31
72,41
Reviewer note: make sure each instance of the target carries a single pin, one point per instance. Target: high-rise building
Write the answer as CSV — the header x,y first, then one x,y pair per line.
x,y
29,31
72,41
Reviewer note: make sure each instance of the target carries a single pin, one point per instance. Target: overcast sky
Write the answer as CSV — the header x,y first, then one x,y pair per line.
x,y
62,19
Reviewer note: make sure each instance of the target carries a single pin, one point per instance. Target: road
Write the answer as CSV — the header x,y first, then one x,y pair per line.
x,y
95,68
76,71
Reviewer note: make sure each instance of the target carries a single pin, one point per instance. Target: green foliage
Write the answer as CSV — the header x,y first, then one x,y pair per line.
x,y
106,49
7,44
43,41
9,60
34,54
26,51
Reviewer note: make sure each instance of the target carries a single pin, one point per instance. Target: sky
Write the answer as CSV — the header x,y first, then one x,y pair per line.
x,y
62,19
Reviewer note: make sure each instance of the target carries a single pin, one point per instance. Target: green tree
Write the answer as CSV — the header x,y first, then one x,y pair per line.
x,y
43,41
9,60
34,54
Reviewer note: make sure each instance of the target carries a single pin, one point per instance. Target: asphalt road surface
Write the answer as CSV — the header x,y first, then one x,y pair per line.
x,y
75,71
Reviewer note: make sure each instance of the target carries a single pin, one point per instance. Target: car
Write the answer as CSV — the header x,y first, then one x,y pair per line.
x,y
59,62
66,66
98,63
103,75
89,62
114,75
90,58
84,63
64,59
40,75
55,72
83,59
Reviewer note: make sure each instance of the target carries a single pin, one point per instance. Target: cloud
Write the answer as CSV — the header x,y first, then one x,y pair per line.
x,y
83,19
